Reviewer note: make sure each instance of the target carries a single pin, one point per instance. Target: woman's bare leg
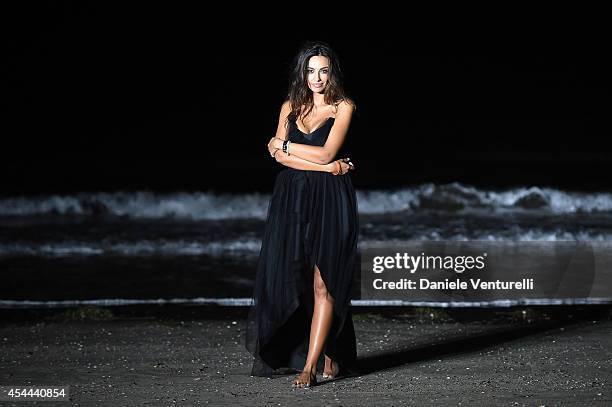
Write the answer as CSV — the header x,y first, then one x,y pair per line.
x,y
321,323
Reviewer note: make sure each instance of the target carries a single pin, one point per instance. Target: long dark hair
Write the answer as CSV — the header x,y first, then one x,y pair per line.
x,y
300,95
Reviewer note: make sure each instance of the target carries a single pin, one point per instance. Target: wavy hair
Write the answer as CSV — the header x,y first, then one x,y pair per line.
x,y
300,95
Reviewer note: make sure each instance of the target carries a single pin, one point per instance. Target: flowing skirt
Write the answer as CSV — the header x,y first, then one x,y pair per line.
x,y
312,220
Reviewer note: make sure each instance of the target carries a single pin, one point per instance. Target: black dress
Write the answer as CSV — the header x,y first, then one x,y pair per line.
x,y
311,220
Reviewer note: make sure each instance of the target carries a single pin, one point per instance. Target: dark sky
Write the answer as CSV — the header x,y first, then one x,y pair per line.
x,y
108,99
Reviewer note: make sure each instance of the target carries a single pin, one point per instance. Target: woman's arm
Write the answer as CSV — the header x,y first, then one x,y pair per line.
x,y
337,167
296,162
301,164
326,153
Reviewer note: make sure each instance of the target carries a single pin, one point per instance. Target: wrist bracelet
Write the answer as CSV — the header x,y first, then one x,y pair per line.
x,y
337,172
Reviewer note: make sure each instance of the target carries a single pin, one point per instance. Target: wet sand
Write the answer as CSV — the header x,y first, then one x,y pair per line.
x,y
179,355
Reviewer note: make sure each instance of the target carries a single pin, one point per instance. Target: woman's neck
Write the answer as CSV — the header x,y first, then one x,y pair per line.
x,y
318,99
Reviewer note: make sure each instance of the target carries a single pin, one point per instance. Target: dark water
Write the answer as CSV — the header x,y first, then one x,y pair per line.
x,y
147,246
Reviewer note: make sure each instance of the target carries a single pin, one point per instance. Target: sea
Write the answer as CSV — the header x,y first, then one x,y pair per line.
x,y
134,247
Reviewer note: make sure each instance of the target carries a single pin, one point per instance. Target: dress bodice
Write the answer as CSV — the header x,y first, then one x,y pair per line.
x,y
316,137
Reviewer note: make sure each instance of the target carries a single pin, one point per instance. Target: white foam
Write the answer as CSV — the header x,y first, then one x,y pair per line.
x,y
231,248
245,302
194,206
244,247
211,206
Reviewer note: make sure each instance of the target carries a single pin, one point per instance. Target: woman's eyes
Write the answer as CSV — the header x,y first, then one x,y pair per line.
x,y
323,71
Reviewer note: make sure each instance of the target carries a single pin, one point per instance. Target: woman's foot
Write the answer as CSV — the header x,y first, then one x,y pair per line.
x,y
331,369
307,378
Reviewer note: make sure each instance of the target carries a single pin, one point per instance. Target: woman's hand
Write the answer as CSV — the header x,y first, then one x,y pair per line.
x,y
273,145
343,168
272,150
275,142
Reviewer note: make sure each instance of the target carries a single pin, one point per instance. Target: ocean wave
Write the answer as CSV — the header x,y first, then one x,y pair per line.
x,y
141,205
144,248
457,197
453,197
248,248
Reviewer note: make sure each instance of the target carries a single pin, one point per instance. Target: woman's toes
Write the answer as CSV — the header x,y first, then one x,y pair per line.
x,y
305,379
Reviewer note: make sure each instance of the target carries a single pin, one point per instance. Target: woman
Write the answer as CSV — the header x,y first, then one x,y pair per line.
x,y
301,316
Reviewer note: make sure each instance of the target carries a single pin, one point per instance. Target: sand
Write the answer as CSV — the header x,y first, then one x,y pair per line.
x,y
173,355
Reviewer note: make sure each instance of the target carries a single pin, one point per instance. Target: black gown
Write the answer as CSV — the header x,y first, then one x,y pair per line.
x,y
311,220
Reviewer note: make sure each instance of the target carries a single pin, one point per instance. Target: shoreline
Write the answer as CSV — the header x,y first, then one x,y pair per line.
x,y
505,314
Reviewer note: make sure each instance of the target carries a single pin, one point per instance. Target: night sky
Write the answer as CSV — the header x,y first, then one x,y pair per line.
x,y
107,99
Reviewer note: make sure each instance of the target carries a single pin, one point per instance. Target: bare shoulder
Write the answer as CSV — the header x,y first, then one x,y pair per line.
x,y
345,108
281,130
286,108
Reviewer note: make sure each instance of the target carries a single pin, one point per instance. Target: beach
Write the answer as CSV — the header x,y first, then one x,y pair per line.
x,y
195,355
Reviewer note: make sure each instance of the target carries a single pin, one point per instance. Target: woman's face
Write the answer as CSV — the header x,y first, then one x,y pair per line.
x,y
318,73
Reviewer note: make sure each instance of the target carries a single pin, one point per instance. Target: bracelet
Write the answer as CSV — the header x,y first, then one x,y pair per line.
x,y
339,168
286,145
